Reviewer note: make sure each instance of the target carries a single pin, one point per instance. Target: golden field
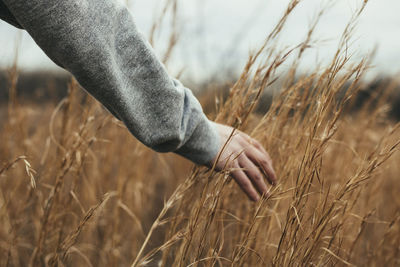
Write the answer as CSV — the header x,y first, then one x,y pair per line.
x,y
76,189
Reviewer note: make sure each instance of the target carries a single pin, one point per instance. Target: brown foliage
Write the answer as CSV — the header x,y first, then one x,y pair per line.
x,y
103,199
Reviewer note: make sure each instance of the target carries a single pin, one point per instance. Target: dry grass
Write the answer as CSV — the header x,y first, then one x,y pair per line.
x,y
76,189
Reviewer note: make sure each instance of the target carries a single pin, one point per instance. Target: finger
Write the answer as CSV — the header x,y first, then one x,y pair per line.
x,y
262,150
257,145
261,161
245,184
254,174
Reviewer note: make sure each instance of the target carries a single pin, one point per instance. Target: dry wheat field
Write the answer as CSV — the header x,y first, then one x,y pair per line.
x,y
76,189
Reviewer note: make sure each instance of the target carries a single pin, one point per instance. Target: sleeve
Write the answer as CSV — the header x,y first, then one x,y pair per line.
x,y
6,15
97,41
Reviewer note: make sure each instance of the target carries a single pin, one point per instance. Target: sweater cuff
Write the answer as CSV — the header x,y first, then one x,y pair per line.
x,y
204,144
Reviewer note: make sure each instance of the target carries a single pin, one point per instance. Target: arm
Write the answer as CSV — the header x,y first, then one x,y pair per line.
x,y
97,41
6,15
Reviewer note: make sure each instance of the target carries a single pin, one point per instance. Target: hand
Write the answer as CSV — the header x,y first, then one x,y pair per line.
x,y
248,161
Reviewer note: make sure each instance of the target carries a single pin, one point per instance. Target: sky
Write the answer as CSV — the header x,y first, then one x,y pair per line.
x,y
218,35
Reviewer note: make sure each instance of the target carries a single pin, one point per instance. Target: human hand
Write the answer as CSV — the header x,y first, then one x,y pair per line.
x,y
247,161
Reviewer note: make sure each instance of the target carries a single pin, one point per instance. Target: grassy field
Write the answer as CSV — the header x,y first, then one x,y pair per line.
x,y
76,189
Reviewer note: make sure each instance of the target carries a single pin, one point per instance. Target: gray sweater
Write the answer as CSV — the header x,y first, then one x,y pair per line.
x,y
97,41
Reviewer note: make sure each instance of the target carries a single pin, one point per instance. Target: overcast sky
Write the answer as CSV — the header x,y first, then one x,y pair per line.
x,y
219,34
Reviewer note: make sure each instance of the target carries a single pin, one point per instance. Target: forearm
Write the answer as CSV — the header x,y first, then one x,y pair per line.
x,y
7,16
97,41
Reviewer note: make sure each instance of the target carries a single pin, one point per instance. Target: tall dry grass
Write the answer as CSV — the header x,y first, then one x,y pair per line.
x,y
77,190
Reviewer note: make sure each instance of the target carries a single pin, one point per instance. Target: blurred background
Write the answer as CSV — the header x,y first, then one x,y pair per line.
x,y
206,44
216,36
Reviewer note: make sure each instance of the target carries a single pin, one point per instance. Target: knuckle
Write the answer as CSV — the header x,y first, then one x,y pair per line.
x,y
264,162
242,141
257,178
241,156
232,168
245,137
257,144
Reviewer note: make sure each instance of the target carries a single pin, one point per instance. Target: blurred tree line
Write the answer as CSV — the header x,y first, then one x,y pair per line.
x,y
35,86
53,86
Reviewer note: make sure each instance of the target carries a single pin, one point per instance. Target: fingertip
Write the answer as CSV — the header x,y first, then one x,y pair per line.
x,y
272,176
254,197
274,181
